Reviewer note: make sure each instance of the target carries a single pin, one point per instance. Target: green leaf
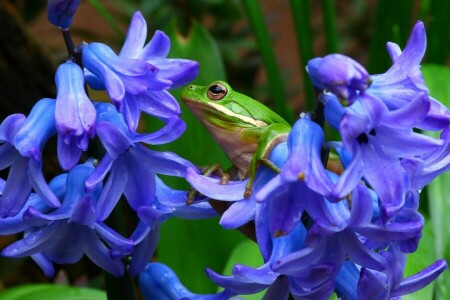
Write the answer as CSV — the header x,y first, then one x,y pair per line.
x,y
51,292
437,79
245,253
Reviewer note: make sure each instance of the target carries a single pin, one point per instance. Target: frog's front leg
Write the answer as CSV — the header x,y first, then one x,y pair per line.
x,y
271,136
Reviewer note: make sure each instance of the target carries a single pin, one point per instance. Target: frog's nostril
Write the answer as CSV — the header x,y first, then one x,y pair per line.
x,y
191,87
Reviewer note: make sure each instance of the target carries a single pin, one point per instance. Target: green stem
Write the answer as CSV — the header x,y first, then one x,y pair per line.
x,y
300,12
275,81
119,288
329,21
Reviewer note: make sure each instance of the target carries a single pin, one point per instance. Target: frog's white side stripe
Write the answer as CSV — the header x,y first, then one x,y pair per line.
x,y
226,111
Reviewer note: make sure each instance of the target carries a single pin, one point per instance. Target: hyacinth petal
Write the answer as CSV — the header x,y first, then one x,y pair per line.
x,y
151,216
305,142
113,239
157,47
112,191
144,251
34,242
159,282
74,112
176,200
44,263
130,112
420,280
166,163
39,184
10,126
321,292
60,12
170,132
83,212
234,285
410,114
411,56
37,128
16,190
99,254
361,206
140,186
438,116
179,71
211,187
261,275
99,173
350,178
238,214
263,235
394,51
68,155
389,184
285,212
358,253
160,104
408,224
113,139
136,35
298,260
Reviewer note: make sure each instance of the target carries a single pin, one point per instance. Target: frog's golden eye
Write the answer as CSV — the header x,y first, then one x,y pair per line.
x,y
217,91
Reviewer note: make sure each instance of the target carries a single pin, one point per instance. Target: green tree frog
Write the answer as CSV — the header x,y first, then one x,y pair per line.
x,y
243,127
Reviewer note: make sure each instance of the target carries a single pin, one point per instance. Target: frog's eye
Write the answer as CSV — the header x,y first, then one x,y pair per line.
x,y
217,91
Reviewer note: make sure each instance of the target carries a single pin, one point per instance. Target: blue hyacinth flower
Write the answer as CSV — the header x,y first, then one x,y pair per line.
x,y
75,114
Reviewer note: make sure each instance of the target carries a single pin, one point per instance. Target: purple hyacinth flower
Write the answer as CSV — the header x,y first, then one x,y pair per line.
x,y
390,283
159,282
75,223
302,174
131,166
60,12
74,115
377,138
22,141
404,80
152,97
340,75
247,280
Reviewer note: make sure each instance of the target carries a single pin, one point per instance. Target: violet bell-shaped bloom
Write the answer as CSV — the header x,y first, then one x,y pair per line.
x,y
22,141
158,281
302,174
74,223
376,139
340,75
60,12
131,166
74,114
404,81
151,97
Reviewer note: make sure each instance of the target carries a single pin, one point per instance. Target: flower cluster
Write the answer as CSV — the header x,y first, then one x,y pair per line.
x,y
346,229
73,208
340,216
